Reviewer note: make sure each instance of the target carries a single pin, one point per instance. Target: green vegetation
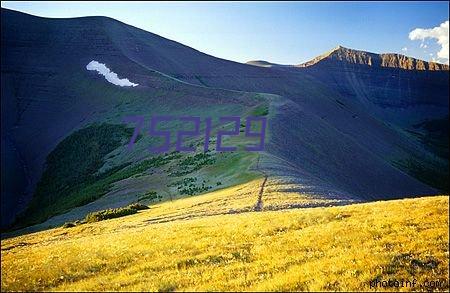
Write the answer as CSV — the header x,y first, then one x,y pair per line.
x,y
192,163
151,196
72,165
193,190
143,166
189,186
94,190
114,213
138,206
261,110
77,158
109,214
83,152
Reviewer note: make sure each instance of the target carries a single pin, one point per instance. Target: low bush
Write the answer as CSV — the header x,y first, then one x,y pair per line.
x,y
138,206
69,225
150,195
114,213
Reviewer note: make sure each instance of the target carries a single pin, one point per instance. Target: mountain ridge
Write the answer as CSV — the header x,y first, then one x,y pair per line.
x,y
361,57
391,60
339,53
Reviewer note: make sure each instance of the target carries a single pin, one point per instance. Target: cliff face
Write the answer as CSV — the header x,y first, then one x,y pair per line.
x,y
409,63
341,54
401,90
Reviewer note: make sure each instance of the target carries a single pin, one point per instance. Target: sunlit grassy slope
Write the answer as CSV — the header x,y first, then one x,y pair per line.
x,y
217,242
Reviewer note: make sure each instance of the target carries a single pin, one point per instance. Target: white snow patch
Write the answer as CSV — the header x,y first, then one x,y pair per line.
x,y
108,74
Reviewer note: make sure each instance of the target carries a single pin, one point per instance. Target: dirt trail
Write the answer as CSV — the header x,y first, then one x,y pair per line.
x,y
259,203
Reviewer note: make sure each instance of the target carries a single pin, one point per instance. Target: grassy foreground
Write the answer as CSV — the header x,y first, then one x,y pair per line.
x,y
166,248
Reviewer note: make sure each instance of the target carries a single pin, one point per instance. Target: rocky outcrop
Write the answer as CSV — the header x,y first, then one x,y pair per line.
x,y
341,54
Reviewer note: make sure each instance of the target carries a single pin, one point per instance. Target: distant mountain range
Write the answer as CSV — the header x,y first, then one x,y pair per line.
x,y
341,55
348,125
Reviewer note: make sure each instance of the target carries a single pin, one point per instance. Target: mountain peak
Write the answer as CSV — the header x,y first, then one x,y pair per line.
x,y
338,47
342,55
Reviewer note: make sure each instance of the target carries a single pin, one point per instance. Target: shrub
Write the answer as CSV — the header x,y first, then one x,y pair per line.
x,y
150,195
193,163
138,206
109,214
69,225
114,213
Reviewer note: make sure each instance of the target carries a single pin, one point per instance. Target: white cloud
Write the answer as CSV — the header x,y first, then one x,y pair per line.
x,y
440,33
404,49
423,46
108,74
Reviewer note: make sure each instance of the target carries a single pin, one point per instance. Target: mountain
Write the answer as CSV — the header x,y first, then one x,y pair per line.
x,y
340,55
348,126
398,89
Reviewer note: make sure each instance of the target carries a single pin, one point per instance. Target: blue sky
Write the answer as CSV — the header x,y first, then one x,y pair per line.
x,y
280,32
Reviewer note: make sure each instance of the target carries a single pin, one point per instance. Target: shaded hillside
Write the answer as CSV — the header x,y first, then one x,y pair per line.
x,y
334,130
401,91
47,93
393,91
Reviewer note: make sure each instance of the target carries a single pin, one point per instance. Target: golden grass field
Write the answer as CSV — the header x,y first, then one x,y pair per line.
x,y
199,244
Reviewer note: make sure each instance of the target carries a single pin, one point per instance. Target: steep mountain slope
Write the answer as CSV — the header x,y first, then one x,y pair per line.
x,y
324,138
47,93
398,88
401,91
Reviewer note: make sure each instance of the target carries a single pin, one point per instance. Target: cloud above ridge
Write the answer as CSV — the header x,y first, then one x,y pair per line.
x,y
439,33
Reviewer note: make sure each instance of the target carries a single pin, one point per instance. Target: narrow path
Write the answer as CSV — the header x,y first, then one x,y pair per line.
x,y
259,204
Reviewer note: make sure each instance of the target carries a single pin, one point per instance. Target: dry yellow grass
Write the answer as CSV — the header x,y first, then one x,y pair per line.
x,y
196,244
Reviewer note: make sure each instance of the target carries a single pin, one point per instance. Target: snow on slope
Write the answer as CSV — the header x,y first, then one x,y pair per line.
x,y
108,74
